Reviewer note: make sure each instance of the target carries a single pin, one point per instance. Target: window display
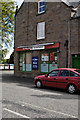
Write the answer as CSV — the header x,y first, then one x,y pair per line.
x,y
28,61
53,61
20,61
44,62
24,61
48,61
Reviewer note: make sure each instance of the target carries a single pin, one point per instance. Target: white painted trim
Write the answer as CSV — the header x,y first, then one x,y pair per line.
x,y
35,45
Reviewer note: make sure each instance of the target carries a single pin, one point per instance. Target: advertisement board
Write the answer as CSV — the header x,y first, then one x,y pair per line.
x,y
34,63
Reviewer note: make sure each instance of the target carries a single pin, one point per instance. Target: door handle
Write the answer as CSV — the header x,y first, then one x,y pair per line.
x,y
66,78
55,78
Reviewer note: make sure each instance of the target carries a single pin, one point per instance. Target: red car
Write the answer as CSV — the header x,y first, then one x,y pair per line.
x,y
65,78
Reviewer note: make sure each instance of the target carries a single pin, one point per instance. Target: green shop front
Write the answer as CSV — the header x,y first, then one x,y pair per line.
x,y
37,59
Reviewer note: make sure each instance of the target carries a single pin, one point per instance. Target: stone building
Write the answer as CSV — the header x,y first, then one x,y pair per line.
x,y
46,37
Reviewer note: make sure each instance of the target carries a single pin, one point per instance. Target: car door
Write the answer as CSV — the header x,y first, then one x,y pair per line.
x,y
74,78
52,78
63,78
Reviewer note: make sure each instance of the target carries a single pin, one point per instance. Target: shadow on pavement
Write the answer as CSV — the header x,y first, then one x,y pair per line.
x,y
10,78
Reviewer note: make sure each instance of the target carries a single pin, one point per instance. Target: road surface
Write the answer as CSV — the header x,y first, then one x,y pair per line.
x,y
21,99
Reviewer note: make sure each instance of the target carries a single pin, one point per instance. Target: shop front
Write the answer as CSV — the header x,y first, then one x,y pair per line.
x,y
41,58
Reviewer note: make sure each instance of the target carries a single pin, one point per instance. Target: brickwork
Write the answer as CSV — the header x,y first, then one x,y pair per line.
x,y
56,18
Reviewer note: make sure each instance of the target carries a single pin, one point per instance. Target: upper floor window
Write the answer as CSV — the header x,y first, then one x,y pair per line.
x,y
41,30
41,6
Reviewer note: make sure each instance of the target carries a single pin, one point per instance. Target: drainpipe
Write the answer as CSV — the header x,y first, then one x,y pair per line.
x,y
69,43
69,38
27,18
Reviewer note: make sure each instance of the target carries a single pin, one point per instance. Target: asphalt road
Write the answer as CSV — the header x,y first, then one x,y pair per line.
x,y
21,99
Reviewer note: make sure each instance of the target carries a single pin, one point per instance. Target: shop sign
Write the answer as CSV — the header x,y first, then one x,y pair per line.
x,y
55,45
26,48
38,47
35,63
22,49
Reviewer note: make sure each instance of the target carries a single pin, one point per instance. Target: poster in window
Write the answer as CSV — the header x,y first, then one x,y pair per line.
x,y
55,59
51,56
44,67
44,57
35,63
52,66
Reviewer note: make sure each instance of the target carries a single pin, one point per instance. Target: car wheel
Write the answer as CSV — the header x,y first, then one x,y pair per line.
x,y
38,84
71,89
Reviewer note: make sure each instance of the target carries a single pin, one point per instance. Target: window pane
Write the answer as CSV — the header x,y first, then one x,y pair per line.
x,y
53,61
43,8
64,73
44,62
41,30
20,61
54,73
40,10
42,3
73,74
28,61
77,71
23,61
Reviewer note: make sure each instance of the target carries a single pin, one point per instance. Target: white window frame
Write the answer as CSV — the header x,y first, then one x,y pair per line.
x,y
41,30
40,7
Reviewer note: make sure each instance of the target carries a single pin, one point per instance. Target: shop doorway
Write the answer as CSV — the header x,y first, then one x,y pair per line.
x,y
76,61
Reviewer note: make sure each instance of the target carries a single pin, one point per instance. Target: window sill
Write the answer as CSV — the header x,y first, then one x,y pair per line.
x,y
41,13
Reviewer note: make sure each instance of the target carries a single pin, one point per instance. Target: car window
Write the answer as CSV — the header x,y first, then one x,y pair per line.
x,y
73,74
64,73
77,71
54,73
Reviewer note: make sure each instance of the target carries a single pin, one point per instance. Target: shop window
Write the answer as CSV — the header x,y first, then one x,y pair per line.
x,y
20,62
44,62
53,61
41,6
48,61
41,30
25,61
28,61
